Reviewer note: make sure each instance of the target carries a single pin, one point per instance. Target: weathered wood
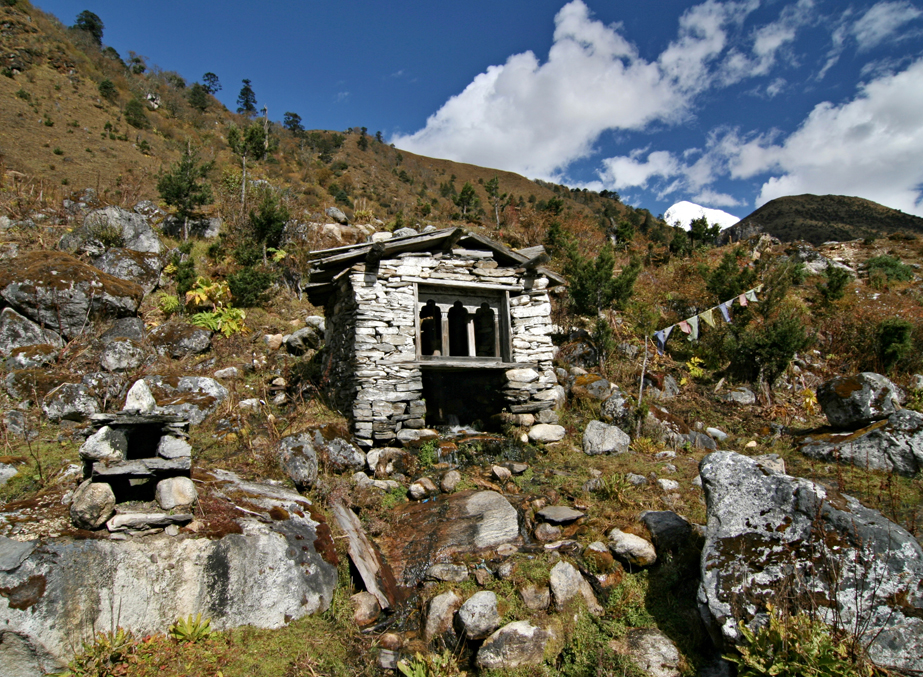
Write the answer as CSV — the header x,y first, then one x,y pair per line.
x,y
461,284
443,362
375,572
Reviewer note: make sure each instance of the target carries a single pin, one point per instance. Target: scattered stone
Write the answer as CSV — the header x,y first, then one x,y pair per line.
x,y
140,521
70,401
560,514
665,455
478,616
32,357
500,473
771,462
229,373
140,399
125,327
515,645
669,531
632,549
743,396
92,505
453,573
598,553
450,481
17,331
547,533
340,453
536,597
130,230
422,488
668,486
298,459
7,472
177,339
636,480
716,434
567,583
544,433
273,341
650,650
175,492
855,401
439,616
788,525
121,354
337,215
301,341
617,409
599,438
365,608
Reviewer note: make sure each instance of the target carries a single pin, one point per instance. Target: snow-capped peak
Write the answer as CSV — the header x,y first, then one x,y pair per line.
x,y
684,213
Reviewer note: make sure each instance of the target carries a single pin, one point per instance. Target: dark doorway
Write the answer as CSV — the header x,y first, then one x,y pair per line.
x,y
463,397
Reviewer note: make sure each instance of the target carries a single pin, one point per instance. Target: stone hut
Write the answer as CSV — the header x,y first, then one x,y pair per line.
x,y
437,328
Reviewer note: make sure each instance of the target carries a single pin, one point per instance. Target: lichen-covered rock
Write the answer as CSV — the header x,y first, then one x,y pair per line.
x,y
266,576
178,339
92,504
17,331
894,445
114,226
855,401
298,459
770,534
599,438
121,354
650,650
137,267
567,583
192,397
32,357
70,401
125,327
631,548
175,492
515,645
617,409
478,616
61,292
743,396
106,444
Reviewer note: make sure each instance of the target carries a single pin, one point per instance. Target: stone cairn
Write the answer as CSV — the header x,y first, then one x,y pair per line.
x,y
135,457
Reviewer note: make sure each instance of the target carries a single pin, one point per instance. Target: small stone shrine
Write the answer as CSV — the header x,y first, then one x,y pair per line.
x,y
134,457
437,328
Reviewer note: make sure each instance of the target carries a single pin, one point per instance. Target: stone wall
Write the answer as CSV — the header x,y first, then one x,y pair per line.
x,y
372,373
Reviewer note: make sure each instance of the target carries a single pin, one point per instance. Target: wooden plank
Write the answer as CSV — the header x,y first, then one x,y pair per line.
x,y
506,341
471,352
445,336
461,284
416,318
375,572
440,362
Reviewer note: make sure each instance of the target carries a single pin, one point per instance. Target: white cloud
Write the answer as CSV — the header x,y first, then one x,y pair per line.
x,y
536,118
634,172
881,21
715,199
869,147
341,97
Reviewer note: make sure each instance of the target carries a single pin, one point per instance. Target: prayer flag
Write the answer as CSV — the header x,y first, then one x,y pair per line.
x,y
694,325
684,326
723,307
708,317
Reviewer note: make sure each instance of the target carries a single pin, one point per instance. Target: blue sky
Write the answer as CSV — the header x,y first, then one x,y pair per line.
x,y
727,104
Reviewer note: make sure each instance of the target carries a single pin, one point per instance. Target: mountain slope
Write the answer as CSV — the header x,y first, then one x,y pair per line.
x,y
823,218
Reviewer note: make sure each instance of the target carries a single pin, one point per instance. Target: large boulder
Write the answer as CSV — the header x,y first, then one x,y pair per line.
x,y
178,339
599,438
70,401
298,459
265,576
61,292
772,538
894,444
516,645
126,264
192,397
17,331
855,401
114,227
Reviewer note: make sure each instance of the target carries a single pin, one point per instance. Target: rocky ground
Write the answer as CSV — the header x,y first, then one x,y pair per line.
x,y
157,469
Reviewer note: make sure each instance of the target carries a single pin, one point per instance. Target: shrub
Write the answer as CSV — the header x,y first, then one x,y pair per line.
x,y
764,351
105,656
893,341
134,114
184,275
592,287
107,89
729,279
248,253
834,286
890,267
248,286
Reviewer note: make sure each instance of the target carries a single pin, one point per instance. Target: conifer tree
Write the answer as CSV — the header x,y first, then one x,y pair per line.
x,y
182,187
246,100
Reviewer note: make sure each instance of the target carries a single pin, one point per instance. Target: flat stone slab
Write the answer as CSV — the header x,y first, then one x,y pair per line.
x,y
13,553
560,514
146,520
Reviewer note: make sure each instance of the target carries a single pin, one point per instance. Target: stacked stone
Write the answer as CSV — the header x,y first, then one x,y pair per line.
x,y
371,338
105,453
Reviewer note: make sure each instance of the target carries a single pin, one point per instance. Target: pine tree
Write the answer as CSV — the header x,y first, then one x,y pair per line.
x,y
497,199
181,186
198,97
210,81
92,24
249,142
246,100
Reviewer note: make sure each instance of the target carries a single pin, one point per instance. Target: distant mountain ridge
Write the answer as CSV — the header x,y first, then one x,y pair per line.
x,y
684,213
822,218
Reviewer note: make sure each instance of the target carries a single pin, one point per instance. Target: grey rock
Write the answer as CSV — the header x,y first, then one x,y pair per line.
x,y
668,486
650,650
717,434
893,445
133,229
17,423
669,531
546,533
106,444
743,396
17,331
192,397
92,504
632,549
7,472
450,480
636,480
422,488
771,462
439,616
787,525
32,357
173,447
599,389
175,492
668,391
133,521
208,228
70,401
478,616
617,409
105,386
178,340
536,597
298,459
599,438
121,354
515,645
132,266
365,608
337,215
340,453
699,440
404,232
229,373
13,553
452,573
855,401
560,514
301,341
567,583
545,433
139,398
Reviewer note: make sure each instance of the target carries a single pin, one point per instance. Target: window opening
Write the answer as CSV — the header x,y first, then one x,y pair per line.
x,y
462,324
486,337
430,329
458,330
